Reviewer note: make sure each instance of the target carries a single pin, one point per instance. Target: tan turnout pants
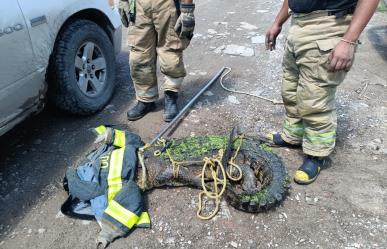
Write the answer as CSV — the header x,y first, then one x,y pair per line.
x,y
308,88
153,36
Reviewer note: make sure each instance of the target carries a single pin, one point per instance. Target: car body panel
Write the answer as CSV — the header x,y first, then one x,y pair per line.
x,y
21,99
25,52
53,14
12,39
16,67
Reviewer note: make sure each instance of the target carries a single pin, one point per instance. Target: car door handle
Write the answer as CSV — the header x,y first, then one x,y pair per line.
x,y
38,20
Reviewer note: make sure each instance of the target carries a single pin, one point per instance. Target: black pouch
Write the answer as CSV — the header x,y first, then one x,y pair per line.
x,y
344,13
133,17
177,3
124,18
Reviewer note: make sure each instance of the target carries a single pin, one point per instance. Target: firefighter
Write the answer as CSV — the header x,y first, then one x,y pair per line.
x,y
319,51
161,29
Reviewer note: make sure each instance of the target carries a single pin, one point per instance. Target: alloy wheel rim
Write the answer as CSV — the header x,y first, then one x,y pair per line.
x,y
90,69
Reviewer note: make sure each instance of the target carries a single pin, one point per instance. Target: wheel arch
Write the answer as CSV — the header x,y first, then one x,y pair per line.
x,y
95,15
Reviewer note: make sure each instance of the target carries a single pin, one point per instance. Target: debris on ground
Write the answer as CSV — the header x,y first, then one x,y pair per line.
x,y
248,26
233,100
238,50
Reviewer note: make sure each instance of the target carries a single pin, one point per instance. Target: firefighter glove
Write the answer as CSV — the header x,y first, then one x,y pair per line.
x,y
185,24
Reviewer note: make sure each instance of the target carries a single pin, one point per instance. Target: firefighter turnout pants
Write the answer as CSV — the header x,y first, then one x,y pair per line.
x,y
153,36
308,87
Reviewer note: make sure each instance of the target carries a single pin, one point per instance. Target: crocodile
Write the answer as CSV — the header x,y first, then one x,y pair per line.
x,y
264,183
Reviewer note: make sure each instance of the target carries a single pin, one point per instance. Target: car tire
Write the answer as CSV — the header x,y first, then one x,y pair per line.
x,y
81,74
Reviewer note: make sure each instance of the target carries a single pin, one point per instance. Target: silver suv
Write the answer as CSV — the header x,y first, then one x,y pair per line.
x,y
62,50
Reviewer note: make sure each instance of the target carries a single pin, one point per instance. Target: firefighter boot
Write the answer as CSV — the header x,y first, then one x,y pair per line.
x,y
276,140
170,108
310,169
140,110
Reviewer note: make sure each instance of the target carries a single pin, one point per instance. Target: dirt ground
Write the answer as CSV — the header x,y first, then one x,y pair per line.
x,y
345,208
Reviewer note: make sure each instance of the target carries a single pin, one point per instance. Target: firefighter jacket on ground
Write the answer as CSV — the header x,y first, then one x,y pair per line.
x,y
103,186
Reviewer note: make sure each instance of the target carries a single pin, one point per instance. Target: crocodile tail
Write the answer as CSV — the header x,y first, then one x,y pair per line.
x,y
271,194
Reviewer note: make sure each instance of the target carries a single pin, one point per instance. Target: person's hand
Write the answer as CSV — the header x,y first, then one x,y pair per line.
x,y
124,10
185,24
271,36
341,57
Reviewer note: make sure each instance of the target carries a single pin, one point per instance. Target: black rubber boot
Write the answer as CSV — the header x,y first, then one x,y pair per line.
x,y
140,110
310,169
170,108
275,140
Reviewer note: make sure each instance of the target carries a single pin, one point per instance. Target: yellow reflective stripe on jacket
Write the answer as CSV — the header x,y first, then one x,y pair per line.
x,y
321,138
144,219
100,129
122,215
115,172
119,138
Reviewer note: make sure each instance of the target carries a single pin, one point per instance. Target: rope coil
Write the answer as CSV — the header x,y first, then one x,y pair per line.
x,y
215,164
218,173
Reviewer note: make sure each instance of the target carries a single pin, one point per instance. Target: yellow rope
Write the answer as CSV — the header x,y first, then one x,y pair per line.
x,y
214,165
140,154
162,143
175,164
232,165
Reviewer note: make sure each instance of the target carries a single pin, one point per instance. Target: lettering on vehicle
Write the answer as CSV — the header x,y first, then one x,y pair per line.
x,y
11,29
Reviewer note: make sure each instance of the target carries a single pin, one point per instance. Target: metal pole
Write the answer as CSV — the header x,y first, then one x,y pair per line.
x,y
187,106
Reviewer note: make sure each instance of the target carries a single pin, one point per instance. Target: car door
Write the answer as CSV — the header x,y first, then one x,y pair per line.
x,y
17,65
